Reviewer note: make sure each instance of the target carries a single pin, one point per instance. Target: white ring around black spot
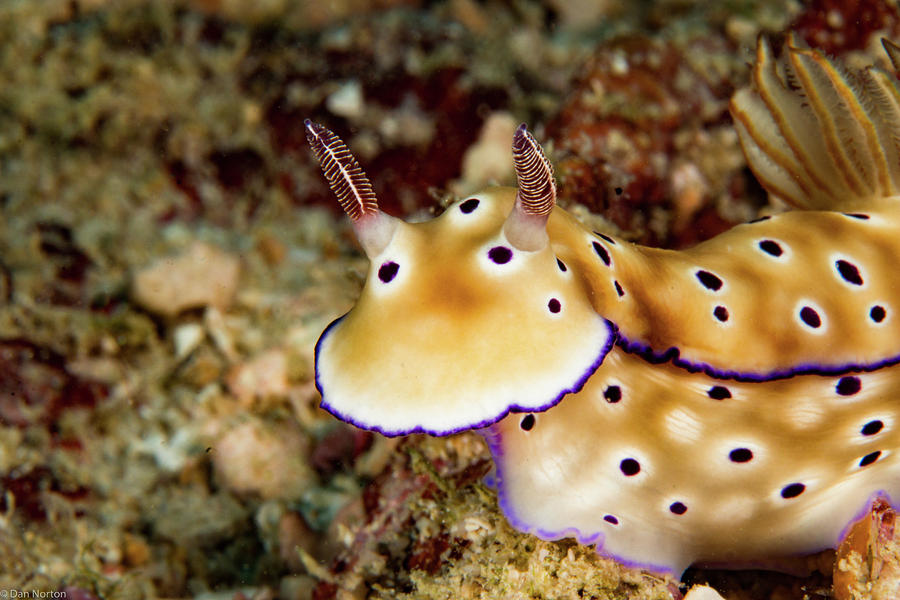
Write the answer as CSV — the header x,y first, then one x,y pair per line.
x,y
718,392
770,247
629,467
500,254
773,249
792,490
469,205
390,275
869,459
873,427
740,453
561,265
677,508
387,271
849,385
848,271
721,314
527,423
499,259
602,253
709,280
878,314
612,393
810,316
554,306
605,237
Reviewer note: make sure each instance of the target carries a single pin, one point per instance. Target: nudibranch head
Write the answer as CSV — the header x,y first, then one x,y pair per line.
x,y
463,318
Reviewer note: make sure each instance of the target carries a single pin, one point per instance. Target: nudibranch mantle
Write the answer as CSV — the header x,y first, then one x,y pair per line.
x,y
800,292
449,304
736,471
731,402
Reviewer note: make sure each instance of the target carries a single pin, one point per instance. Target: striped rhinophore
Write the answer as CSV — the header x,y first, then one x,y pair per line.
x,y
346,178
534,174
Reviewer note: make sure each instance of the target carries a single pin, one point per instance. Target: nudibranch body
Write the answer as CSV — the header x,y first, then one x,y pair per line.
x,y
734,401
663,468
800,292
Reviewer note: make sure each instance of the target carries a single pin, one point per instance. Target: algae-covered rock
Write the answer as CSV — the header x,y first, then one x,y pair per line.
x,y
201,276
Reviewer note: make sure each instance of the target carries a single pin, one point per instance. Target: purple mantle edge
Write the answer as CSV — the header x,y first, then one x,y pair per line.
x,y
673,355
576,387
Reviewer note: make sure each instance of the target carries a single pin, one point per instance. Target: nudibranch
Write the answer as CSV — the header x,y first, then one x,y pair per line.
x,y
732,402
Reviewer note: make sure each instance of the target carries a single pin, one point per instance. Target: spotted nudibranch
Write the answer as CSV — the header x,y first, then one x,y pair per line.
x,y
732,402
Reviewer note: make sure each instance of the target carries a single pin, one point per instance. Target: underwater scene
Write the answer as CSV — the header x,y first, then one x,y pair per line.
x,y
451,299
